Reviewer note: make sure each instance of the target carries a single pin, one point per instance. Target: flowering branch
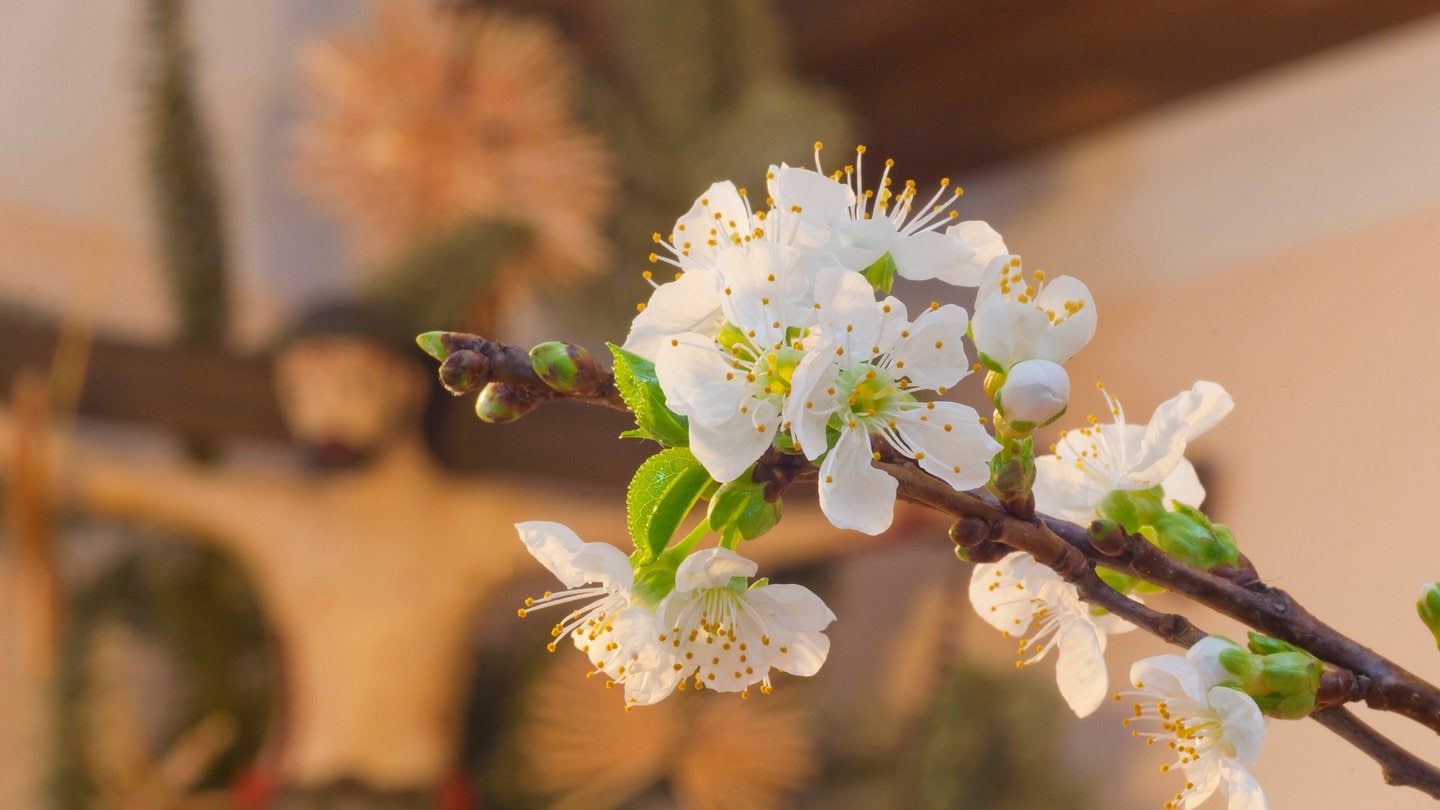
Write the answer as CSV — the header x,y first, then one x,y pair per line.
x,y
777,354
989,532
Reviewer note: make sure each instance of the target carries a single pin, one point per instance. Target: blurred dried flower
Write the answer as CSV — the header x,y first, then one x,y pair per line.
x,y
584,750
438,118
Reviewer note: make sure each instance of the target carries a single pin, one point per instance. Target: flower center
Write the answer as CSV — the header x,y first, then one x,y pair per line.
x,y
1189,730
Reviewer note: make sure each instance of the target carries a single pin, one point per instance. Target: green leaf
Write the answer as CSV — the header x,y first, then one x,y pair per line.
x,y
635,378
881,274
661,494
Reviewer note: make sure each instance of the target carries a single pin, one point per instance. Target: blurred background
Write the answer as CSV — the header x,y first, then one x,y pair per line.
x,y
205,609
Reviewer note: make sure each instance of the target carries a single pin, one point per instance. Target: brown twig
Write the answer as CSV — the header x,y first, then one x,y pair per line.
x,y
473,362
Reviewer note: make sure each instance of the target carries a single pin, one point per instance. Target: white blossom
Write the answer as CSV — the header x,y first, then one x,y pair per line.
x,y
1022,598
1215,731
858,225
1090,462
733,385
727,635
1035,391
1019,320
617,633
861,379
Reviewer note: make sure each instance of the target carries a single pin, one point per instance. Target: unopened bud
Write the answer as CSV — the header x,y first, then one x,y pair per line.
x,y
1035,393
464,371
1428,606
742,504
566,367
1284,679
499,403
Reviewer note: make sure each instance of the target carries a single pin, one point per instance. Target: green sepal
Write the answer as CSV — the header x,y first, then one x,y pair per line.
x,y
432,345
1428,607
654,583
1285,679
881,273
662,493
741,504
635,379
1133,508
1188,535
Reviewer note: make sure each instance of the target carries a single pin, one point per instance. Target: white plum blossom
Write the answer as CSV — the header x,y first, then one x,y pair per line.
x,y
618,634
727,635
1022,598
827,220
1035,391
1089,463
860,225
732,385
1215,731
1019,320
861,378
720,218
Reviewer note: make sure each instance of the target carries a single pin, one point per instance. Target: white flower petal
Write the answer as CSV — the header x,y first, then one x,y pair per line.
x,y
981,245
712,567
1244,724
1066,338
1177,421
930,254
846,311
1063,490
1080,667
853,494
804,654
692,374
555,546
1241,788
1168,674
793,607
728,448
1204,656
950,442
932,355
1182,485
995,597
690,303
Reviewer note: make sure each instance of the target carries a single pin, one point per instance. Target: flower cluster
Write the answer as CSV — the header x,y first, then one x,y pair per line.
x,y
778,350
712,628
772,334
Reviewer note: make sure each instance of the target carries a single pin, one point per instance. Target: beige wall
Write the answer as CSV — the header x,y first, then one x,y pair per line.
x,y
1282,238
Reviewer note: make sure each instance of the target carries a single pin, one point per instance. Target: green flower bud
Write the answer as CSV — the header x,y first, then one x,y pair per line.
x,y
566,367
463,371
1428,606
499,403
741,503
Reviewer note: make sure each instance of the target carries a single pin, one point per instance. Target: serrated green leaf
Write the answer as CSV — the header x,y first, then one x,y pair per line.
x,y
661,494
635,378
